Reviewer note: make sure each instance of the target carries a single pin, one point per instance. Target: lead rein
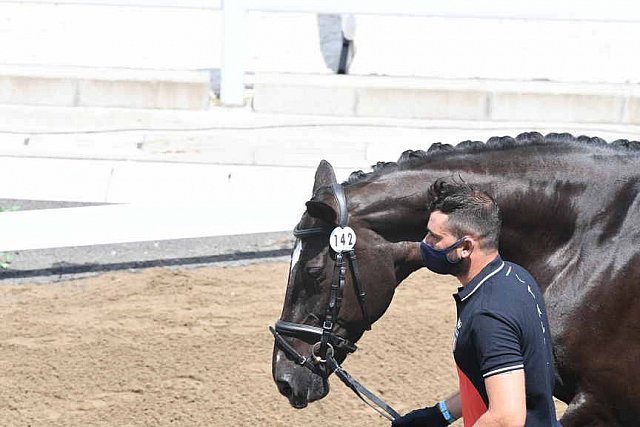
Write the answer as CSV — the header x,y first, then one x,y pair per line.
x,y
362,392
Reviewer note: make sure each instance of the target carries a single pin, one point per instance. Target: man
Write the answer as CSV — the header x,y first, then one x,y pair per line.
x,y
501,342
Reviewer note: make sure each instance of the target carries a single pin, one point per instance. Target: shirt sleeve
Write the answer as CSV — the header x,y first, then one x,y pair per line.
x,y
497,342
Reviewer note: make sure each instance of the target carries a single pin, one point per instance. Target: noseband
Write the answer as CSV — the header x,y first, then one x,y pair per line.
x,y
321,360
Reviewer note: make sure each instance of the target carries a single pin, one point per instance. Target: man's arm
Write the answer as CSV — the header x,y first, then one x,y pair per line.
x,y
507,400
454,406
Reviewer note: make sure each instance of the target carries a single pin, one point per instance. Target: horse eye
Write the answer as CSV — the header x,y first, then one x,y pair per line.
x,y
314,271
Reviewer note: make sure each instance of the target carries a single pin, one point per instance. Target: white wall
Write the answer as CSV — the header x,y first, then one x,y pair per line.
x,y
109,36
511,49
73,34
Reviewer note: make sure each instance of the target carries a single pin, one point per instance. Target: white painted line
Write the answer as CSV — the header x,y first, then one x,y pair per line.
x,y
94,225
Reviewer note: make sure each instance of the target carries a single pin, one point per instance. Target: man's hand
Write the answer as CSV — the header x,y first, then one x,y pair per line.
x,y
426,417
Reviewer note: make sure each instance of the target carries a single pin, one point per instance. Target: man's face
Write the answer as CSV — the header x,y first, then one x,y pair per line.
x,y
438,235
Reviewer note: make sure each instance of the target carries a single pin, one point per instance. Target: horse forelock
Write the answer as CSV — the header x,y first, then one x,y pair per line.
x,y
411,159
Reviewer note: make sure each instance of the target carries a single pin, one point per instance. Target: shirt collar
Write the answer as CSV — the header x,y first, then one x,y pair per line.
x,y
487,272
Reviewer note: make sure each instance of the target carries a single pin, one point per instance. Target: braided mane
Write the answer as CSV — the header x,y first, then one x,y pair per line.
x,y
495,143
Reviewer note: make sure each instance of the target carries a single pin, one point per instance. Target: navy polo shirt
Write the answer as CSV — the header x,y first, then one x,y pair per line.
x,y
502,326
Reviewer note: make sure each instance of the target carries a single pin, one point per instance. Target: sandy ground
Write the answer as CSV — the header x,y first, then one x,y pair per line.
x,y
191,348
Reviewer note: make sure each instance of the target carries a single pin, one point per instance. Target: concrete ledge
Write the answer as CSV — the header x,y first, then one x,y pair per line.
x,y
417,104
631,110
37,91
577,108
305,99
73,87
439,99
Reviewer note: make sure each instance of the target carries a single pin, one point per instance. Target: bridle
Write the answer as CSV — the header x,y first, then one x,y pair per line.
x,y
321,360
327,338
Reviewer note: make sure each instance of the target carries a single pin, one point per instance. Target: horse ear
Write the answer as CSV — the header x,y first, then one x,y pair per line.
x,y
322,211
324,176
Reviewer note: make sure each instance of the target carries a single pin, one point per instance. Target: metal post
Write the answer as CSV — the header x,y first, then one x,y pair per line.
x,y
233,52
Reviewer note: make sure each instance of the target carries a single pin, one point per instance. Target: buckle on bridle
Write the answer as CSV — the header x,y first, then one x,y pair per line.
x,y
327,325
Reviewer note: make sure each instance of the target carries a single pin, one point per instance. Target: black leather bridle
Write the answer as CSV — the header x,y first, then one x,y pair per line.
x,y
321,360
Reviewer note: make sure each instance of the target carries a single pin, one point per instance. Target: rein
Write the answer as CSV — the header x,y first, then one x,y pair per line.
x,y
322,358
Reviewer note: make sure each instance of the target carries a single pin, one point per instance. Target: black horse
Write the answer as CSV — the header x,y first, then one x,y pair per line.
x,y
571,209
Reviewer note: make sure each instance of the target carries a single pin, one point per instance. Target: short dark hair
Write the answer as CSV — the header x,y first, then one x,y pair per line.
x,y
471,211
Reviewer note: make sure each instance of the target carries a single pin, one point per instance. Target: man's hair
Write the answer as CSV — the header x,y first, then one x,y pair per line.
x,y
471,211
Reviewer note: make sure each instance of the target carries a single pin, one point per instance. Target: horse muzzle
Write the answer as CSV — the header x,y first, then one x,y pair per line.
x,y
297,383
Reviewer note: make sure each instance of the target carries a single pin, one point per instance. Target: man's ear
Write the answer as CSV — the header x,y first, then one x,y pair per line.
x,y
468,246
322,211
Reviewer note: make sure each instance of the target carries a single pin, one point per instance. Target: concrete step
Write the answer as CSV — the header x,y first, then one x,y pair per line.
x,y
104,87
447,99
221,155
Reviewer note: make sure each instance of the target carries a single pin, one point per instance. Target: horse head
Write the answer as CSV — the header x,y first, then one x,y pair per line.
x,y
314,285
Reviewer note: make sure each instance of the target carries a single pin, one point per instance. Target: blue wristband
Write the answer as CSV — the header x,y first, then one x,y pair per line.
x,y
442,405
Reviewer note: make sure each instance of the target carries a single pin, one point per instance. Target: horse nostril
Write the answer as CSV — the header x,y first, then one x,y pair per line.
x,y
284,388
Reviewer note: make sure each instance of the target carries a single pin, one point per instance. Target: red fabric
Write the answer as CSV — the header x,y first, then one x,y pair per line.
x,y
472,404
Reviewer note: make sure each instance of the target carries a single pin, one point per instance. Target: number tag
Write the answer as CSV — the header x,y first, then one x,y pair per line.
x,y
342,239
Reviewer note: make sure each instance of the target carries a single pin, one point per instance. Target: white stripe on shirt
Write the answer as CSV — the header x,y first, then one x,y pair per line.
x,y
484,280
509,368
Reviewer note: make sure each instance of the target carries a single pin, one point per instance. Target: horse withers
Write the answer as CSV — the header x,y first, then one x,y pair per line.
x,y
571,216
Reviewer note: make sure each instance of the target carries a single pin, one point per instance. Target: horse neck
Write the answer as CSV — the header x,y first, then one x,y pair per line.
x,y
394,207
539,216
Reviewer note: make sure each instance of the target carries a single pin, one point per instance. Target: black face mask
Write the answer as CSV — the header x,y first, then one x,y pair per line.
x,y
436,260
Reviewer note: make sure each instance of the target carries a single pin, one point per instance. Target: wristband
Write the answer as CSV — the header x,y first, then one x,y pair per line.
x,y
442,405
